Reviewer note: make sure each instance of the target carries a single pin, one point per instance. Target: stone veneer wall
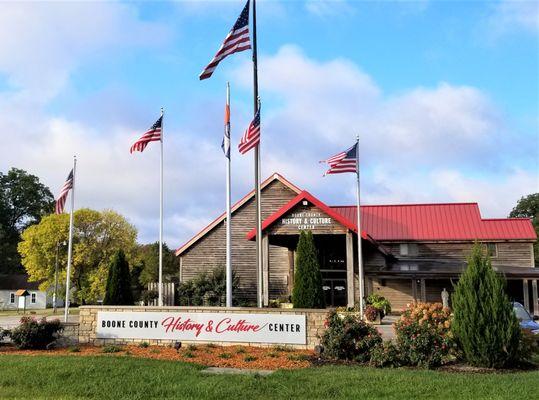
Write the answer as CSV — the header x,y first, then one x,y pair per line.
x,y
88,323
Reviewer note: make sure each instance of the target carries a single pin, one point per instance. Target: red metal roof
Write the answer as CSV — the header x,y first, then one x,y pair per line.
x,y
450,221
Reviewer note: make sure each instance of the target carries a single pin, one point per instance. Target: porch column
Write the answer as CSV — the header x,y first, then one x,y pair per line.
x,y
291,271
349,269
414,289
265,270
534,297
423,291
526,294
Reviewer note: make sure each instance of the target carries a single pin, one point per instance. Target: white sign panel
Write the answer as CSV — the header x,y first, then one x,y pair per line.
x,y
306,220
216,327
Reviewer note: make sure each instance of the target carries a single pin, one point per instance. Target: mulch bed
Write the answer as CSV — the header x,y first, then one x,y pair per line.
x,y
247,357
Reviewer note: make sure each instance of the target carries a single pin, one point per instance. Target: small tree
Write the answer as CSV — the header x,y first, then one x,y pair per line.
x,y
485,326
307,292
118,290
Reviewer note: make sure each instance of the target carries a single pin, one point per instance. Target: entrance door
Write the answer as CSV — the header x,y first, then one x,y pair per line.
x,y
332,259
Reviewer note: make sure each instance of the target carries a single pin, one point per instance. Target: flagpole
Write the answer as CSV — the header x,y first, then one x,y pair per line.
x,y
70,245
257,170
228,210
359,253
160,301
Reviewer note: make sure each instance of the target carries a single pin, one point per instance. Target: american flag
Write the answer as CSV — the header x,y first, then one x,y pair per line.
x,y
345,161
226,137
237,40
151,135
62,197
251,137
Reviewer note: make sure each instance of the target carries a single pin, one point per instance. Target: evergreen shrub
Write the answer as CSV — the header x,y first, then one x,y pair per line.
x,y
307,292
484,325
118,291
207,287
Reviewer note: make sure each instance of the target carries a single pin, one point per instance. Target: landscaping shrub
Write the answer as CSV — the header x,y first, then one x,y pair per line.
x,y
4,333
118,291
307,292
424,334
349,338
111,348
485,326
148,296
386,355
380,303
207,288
34,334
371,313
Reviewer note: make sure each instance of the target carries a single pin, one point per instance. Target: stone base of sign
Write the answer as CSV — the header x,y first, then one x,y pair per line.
x,y
88,323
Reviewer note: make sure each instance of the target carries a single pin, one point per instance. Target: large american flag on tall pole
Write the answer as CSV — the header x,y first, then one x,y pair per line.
x,y
151,135
62,197
345,161
251,137
237,40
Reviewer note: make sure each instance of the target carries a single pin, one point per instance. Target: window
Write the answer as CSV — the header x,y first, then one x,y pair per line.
x,y
408,249
492,249
12,298
33,298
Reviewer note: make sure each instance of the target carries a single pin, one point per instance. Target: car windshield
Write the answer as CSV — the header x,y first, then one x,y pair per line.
x,y
521,313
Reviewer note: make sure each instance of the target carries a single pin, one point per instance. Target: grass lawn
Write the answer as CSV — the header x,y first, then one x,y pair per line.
x,y
116,377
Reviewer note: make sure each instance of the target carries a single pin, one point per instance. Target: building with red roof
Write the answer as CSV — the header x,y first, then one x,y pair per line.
x,y
410,252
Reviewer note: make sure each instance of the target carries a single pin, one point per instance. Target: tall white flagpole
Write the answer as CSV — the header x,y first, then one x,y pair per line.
x,y
228,209
359,253
70,245
160,302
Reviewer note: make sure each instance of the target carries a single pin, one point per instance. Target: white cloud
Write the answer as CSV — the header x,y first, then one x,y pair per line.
x,y
510,16
42,43
324,8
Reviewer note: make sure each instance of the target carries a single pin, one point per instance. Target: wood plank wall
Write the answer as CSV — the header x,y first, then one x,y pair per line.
x,y
209,251
515,254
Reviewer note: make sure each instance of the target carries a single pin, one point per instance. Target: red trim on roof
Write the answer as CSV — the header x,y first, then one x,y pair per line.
x,y
238,204
314,201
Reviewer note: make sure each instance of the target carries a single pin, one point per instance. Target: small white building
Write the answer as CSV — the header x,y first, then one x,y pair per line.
x,y
35,299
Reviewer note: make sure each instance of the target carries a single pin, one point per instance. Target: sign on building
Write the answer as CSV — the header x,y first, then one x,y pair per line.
x,y
212,327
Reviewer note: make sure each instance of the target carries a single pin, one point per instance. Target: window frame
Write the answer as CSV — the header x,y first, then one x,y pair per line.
x,y
412,249
488,247
12,298
33,298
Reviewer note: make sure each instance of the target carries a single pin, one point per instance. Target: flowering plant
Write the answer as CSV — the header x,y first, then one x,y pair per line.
x,y
371,313
424,334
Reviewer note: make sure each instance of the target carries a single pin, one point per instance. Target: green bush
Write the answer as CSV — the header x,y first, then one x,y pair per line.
x,y
485,326
349,338
118,291
307,292
207,288
386,355
424,335
34,334
111,348
380,303
4,333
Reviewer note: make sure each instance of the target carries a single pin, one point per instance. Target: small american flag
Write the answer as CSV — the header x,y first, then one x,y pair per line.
x,y
237,40
62,197
345,161
251,137
151,135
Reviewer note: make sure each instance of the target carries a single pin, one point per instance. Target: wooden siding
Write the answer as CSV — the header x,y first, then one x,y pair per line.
x,y
209,251
514,254
397,291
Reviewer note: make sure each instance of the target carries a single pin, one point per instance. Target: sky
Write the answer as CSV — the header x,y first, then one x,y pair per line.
x,y
444,96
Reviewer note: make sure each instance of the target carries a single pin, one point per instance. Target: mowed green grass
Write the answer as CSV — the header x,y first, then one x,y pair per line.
x,y
124,377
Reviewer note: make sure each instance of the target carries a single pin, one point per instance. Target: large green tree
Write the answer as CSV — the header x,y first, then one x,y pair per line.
x,y
24,200
484,323
528,207
148,260
307,292
97,236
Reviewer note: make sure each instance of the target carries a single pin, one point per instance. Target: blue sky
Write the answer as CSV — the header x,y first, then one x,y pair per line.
x,y
444,95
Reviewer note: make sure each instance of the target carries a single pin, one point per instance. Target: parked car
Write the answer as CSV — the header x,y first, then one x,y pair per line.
x,y
525,319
